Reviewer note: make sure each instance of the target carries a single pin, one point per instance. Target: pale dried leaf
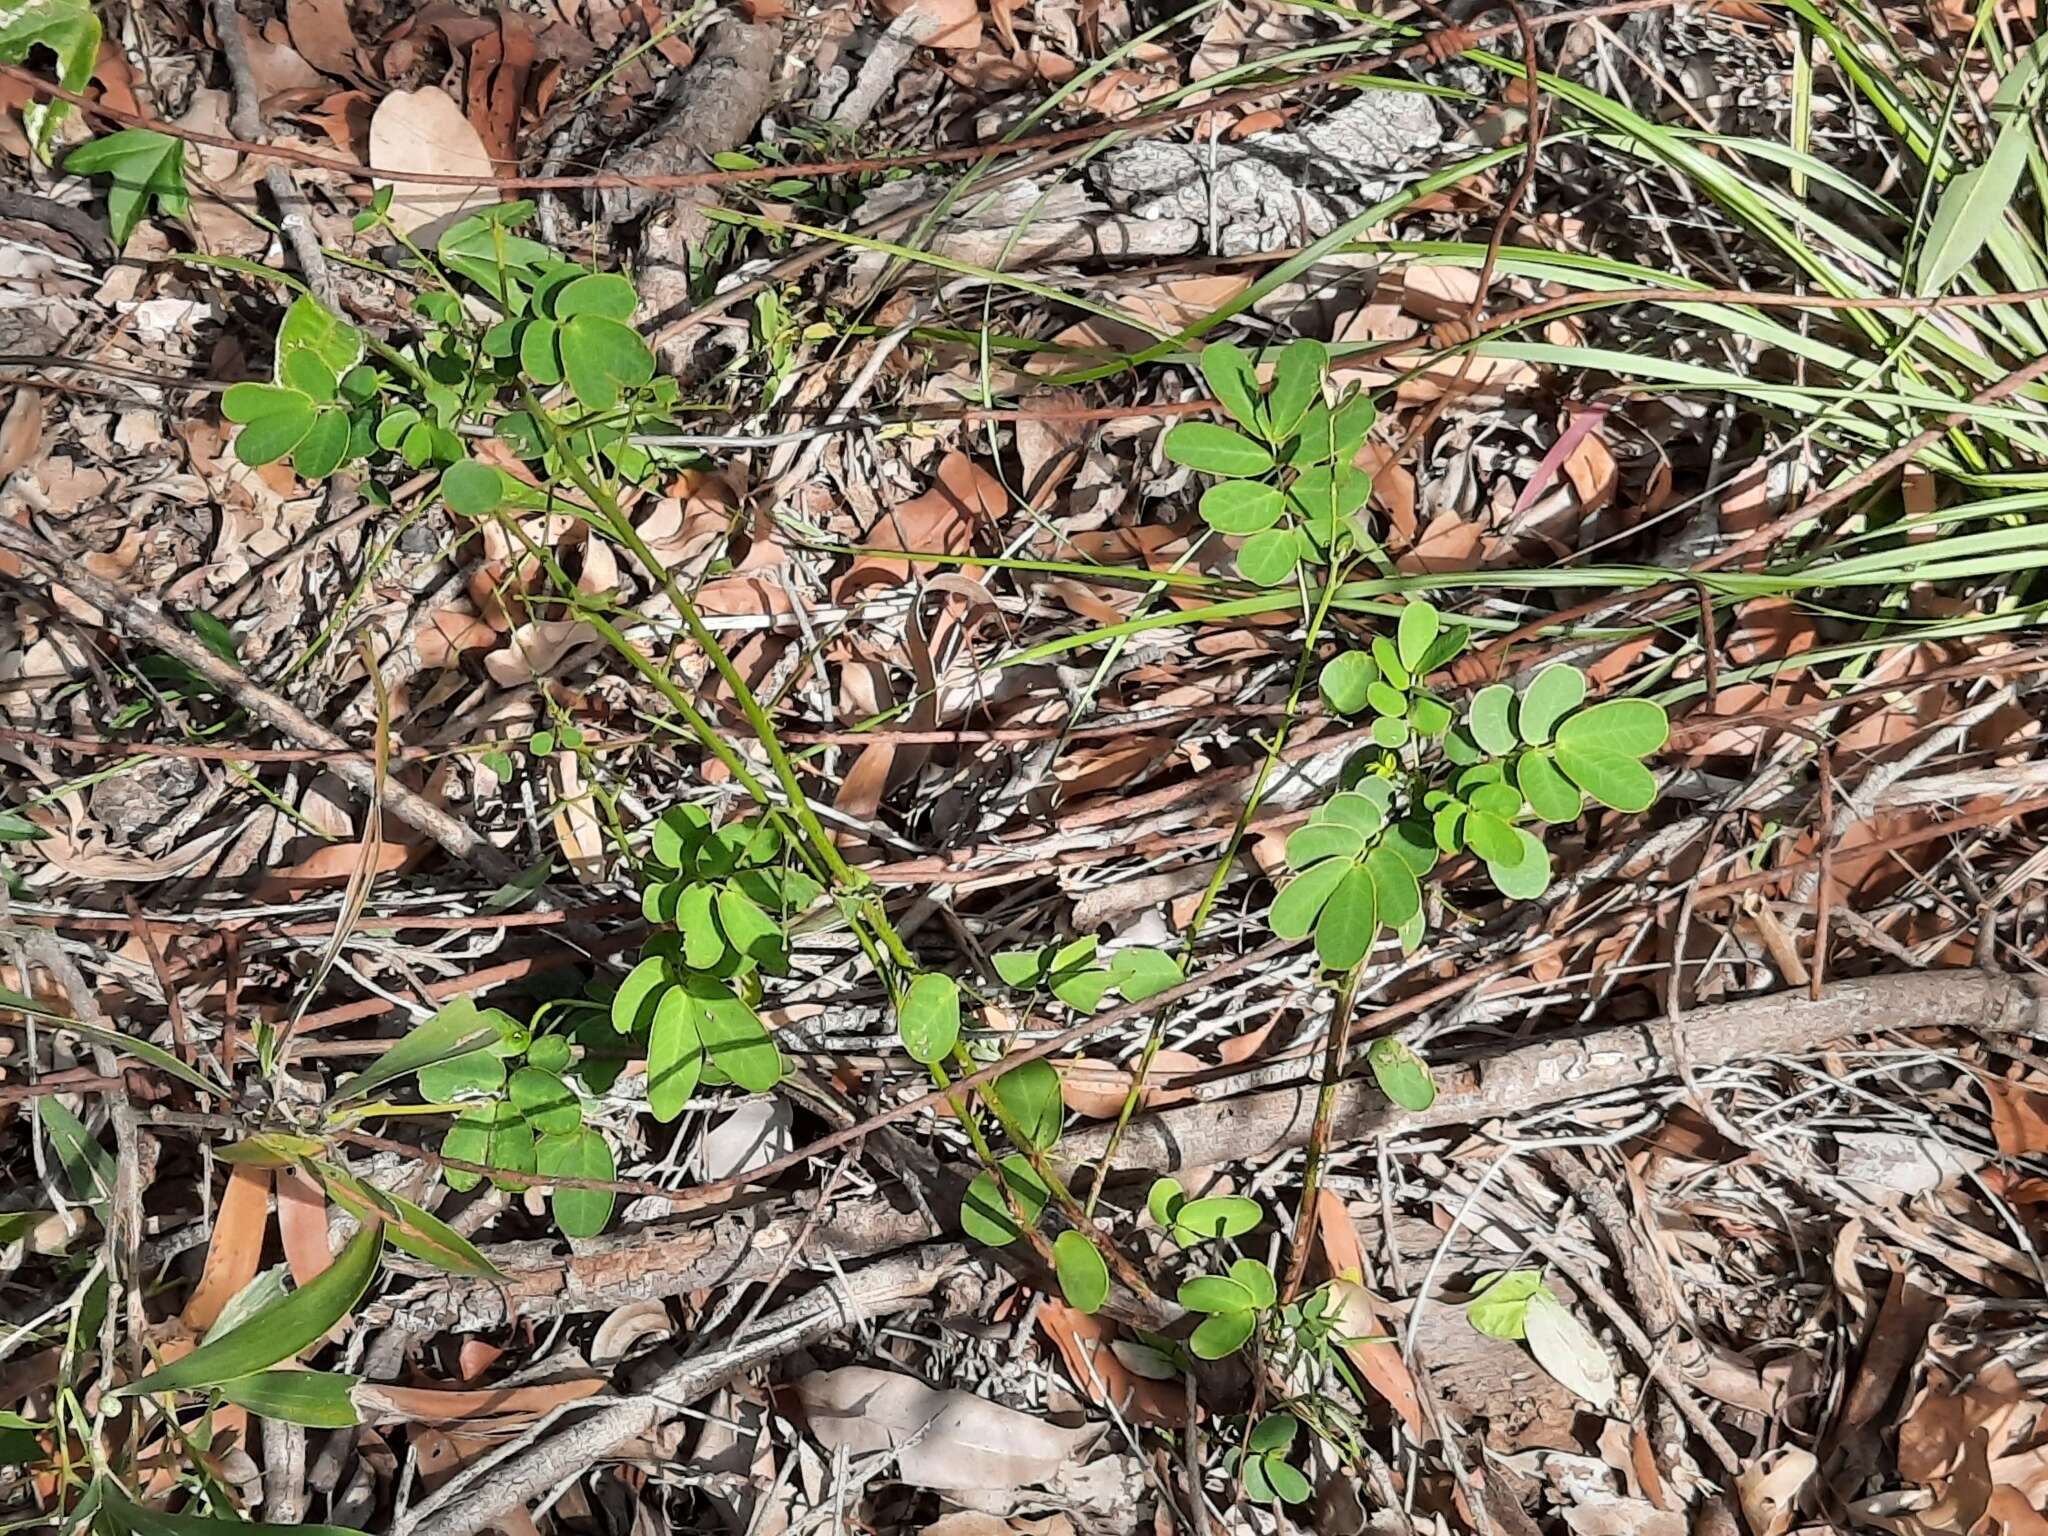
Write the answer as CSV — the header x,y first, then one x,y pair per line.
x,y
425,130
946,1439
758,1131
1769,1490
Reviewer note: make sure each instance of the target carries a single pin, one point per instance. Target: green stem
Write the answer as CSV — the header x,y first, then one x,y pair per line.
x,y
1155,1037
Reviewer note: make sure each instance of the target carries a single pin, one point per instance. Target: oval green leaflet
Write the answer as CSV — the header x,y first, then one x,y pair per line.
x,y
491,1135
578,1154
1302,900
929,1020
1552,694
1214,1294
1228,371
1221,1335
1269,558
1616,780
1402,1075
1215,1217
675,1055
1083,1273
985,1215
1029,1096
280,1330
1624,727
549,1104
1344,680
1214,450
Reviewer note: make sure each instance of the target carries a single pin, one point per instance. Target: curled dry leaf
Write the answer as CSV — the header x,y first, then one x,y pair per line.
x,y
1098,1089
1770,1489
943,1439
425,131
498,1408
943,520
533,650
619,1332
577,828
1084,1344
758,1131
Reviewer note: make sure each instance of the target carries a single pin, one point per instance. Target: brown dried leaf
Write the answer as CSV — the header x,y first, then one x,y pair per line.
x,y
577,827
1770,1489
943,520
302,1223
1083,1342
1098,1089
324,36
1378,1360
444,636
502,1408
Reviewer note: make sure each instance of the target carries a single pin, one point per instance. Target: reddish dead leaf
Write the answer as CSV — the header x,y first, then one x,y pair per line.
x,y
235,1251
1895,1342
115,78
446,635
500,64
1083,1342
1449,543
666,42
21,430
477,1356
1437,294
324,36
1098,1089
302,1222
278,69
344,117
1111,765
943,520
1378,1361
1050,451
2019,1118
1768,631
1393,490
1590,468
1942,1421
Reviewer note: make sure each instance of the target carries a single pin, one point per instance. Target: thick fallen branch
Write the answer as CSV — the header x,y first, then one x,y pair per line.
x,y
669,1260
1577,1066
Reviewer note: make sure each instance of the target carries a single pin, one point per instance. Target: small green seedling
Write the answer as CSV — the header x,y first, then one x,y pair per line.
x,y
1286,483
1262,1462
